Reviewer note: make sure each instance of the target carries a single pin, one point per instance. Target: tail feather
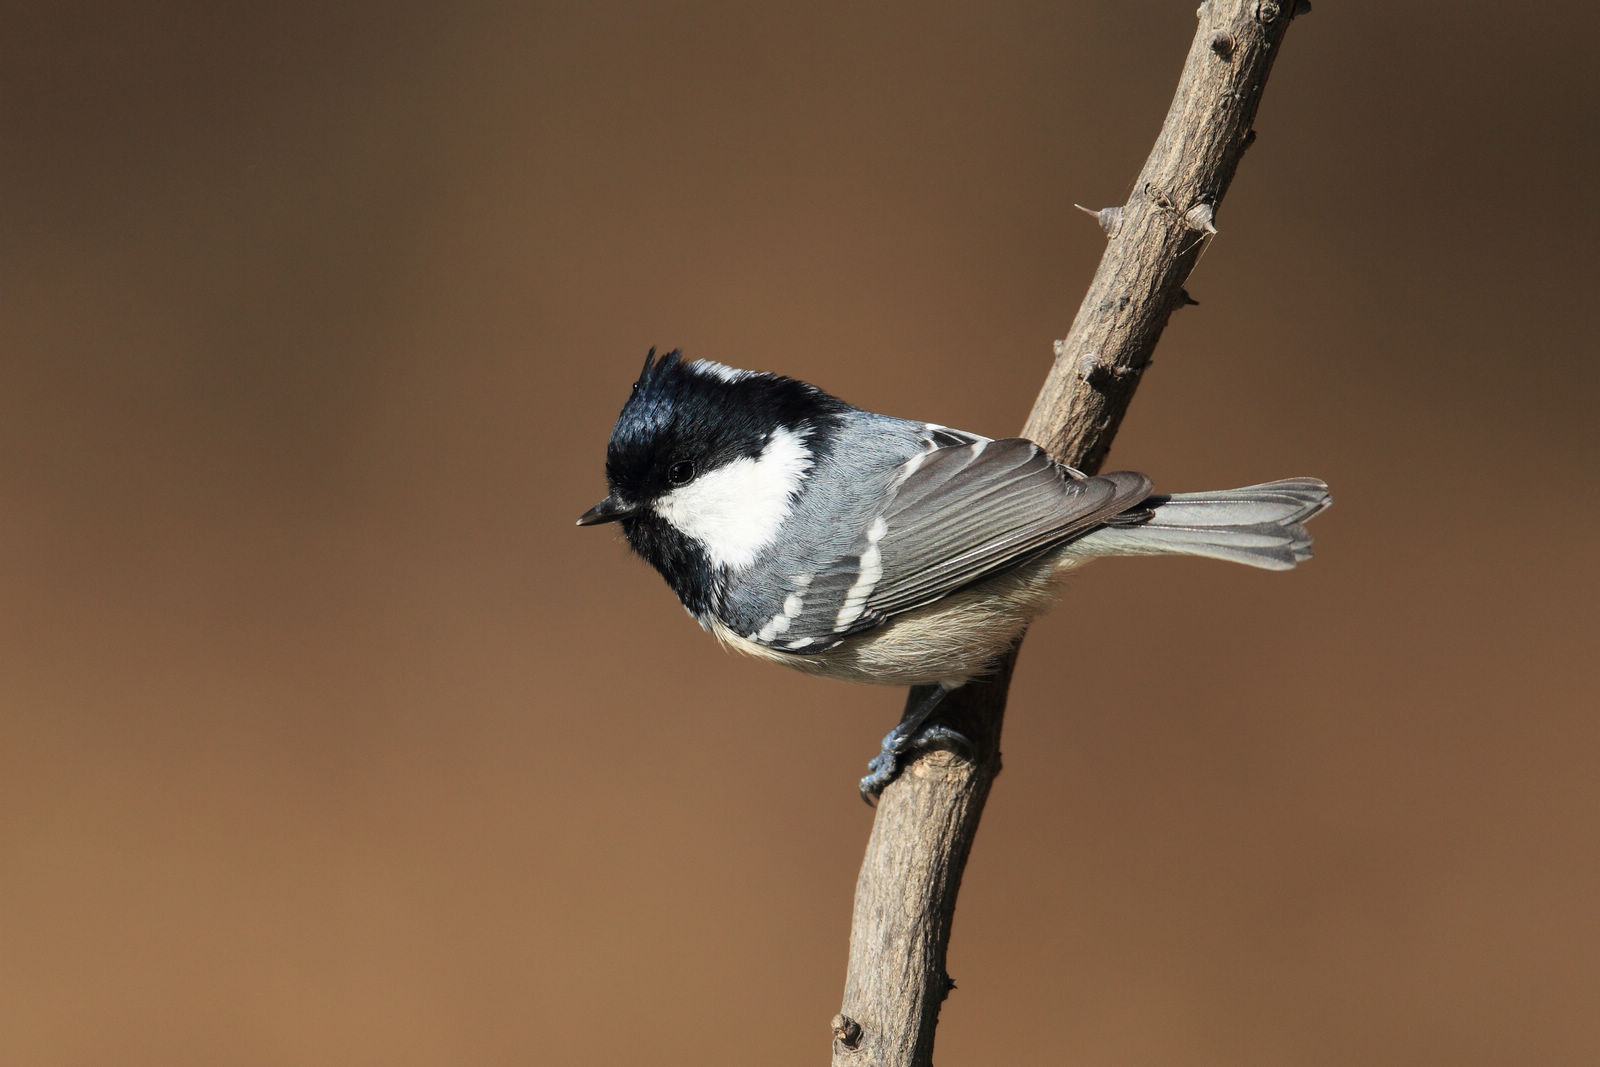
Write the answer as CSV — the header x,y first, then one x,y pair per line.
x,y
1258,525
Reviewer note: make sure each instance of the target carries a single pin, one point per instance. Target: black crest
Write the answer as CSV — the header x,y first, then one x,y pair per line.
x,y
706,415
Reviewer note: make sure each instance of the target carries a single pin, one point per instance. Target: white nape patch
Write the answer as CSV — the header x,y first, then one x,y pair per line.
x,y
720,371
735,511
855,601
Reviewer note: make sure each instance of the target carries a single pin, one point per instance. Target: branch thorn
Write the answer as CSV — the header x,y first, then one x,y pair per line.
x,y
1199,218
1110,218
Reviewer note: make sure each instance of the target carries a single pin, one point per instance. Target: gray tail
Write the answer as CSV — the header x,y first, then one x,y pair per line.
x,y
1259,525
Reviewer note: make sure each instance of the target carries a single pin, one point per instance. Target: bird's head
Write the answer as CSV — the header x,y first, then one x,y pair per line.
x,y
705,461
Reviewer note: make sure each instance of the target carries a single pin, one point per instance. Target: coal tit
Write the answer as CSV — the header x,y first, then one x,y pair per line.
x,y
802,530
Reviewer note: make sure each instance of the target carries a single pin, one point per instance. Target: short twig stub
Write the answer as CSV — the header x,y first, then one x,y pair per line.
x,y
847,1031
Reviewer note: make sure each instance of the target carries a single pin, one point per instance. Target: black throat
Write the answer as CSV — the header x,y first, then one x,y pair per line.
x,y
679,559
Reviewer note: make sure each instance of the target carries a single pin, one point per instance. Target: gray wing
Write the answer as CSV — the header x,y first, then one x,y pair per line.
x,y
955,515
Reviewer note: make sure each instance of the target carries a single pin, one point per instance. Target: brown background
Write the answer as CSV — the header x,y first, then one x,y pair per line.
x,y
327,739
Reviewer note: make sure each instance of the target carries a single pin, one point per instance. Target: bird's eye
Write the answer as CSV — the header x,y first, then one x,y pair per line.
x,y
680,472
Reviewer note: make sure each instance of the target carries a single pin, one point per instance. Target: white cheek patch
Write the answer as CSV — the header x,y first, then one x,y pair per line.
x,y
735,510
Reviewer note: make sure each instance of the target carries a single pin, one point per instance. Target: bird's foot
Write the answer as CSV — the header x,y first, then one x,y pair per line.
x,y
909,735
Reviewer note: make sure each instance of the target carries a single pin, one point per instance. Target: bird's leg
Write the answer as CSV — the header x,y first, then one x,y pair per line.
x,y
908,735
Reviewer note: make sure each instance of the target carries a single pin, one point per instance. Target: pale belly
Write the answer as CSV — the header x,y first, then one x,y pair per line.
x,y
948,641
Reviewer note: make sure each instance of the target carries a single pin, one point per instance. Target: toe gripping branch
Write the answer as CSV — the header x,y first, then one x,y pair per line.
x,y
913,733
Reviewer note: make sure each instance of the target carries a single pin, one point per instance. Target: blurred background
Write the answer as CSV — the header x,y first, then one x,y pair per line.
x,y
326,738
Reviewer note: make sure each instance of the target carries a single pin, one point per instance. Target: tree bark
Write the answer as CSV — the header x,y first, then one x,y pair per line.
x,y
927,819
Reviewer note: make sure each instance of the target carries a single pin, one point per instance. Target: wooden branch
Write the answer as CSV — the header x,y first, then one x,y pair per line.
x,y
926,819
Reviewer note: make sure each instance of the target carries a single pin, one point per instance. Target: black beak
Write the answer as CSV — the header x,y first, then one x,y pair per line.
x,y
608,510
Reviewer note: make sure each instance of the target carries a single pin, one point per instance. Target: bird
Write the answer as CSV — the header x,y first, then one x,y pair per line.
x,y
802,530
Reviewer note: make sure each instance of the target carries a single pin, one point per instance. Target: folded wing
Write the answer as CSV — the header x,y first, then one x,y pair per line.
x,y
955,516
